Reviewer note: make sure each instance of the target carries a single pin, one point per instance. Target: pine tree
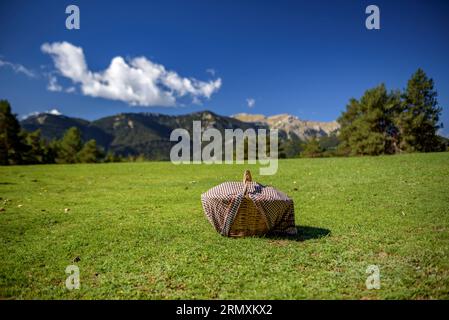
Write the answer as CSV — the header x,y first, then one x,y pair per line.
x,y
51,151
89,153
3,151
293,146
37,149
312,149
329,144
112,157
367,126
12,145
69,146
418,119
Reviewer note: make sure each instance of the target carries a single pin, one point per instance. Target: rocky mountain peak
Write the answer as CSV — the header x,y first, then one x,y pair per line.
x,y
291,124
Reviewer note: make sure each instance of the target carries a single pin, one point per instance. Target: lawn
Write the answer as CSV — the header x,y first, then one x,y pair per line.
x,y
137,230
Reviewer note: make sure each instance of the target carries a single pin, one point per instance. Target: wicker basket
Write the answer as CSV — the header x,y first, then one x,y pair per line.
x,y
248,220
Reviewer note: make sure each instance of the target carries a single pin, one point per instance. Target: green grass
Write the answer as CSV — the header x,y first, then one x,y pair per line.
x,y
139,231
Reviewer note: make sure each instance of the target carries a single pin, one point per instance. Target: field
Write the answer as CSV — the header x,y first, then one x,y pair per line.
x,y
137,230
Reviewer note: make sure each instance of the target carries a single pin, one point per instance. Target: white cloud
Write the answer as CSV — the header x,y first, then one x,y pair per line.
x,y
68,59
138,81
251,102
17,68
53,84
211,71
197,101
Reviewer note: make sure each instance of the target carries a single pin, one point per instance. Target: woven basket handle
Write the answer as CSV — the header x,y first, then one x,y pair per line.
x,y
246,178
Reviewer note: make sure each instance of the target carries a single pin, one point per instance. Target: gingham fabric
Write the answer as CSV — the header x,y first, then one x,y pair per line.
x,y
221,204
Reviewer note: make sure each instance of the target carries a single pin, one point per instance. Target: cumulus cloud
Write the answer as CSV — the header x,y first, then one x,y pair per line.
x,y
54,85
139,81
17,68
251,102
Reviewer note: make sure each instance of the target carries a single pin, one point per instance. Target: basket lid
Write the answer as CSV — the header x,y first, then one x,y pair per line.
x,y
222,202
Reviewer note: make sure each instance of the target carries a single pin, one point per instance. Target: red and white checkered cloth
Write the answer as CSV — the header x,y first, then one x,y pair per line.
x,y
221,204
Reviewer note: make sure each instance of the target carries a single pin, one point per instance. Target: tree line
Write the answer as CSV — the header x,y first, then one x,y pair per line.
x,y
380,122
18,146
383,122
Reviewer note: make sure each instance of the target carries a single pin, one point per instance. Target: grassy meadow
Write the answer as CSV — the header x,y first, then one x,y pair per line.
x,y
137,231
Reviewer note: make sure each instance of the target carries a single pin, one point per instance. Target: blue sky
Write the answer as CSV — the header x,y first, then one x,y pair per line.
x,y
306,58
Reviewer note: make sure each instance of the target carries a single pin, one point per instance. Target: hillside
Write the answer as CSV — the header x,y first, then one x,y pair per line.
x,y
149,133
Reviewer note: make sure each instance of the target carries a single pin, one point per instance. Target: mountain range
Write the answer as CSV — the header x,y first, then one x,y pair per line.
x,y
292,125
149,133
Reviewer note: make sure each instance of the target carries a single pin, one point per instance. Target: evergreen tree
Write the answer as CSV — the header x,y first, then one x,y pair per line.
x,y
51,152
312,149
12,145
367,125
37,149
329,143
3,151
140,158
69,146
418,118
293,146
112,157
89,153
281,147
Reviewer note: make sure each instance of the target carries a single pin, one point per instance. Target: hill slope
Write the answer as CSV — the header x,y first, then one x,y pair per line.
x,y
149,133
132,133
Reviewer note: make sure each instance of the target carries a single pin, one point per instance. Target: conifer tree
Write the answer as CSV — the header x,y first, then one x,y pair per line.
x,y
12,145
367,124
37,149
69,146
89,153
312,149
418,119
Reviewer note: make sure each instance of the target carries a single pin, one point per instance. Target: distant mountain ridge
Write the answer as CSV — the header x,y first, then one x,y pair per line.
x,y
149,133
290,124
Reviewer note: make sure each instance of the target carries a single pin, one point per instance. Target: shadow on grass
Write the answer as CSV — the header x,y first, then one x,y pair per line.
x,y
304,233
6,183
